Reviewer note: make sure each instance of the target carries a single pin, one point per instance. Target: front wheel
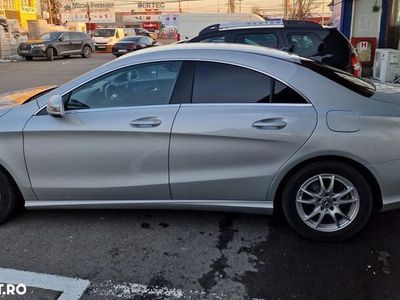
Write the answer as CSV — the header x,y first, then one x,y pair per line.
x,y
327,201
50,54
86,52
10,197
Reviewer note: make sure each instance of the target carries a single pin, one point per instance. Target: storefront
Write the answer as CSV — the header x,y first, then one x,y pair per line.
x,y
21,10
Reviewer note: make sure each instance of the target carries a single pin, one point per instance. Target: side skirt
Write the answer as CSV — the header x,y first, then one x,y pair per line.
x,y
255,207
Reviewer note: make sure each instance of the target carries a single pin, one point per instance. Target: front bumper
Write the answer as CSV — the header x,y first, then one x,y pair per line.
x,y
32,52
102,47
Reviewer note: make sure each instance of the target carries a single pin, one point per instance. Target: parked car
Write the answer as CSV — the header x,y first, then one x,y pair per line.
x,y
132,43
52,44
25,95
210,127
105,38
308,39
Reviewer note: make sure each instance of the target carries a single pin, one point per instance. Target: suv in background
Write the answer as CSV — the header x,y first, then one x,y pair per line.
x,y
305,38
58,43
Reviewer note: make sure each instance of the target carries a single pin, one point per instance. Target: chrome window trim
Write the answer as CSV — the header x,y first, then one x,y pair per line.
x,y
194,59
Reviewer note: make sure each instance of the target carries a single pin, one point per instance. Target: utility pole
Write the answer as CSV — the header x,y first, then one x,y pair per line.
x,y
323,13
240,6
231,6
285,8
50,12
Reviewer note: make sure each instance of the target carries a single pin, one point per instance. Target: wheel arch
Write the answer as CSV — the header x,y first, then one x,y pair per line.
x,y
369,176
56,52
14,181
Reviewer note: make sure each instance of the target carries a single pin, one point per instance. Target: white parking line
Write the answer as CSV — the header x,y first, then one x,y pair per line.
x,y
71,288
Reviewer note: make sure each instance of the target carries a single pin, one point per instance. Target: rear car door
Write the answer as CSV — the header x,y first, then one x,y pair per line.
x,y
76,42
240,128
113,141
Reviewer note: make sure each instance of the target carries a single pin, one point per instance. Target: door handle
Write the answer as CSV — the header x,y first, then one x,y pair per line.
x,y
270,124
146,122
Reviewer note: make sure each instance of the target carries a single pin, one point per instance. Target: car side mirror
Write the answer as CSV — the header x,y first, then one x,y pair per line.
x,y
322,49
55,106
61,38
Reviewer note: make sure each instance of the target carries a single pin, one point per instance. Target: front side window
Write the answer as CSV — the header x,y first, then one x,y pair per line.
x,y
146,84
258,39
66,36
50,36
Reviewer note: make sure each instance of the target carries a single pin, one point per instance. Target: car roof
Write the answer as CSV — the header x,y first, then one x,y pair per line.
x,y
272,23
204,47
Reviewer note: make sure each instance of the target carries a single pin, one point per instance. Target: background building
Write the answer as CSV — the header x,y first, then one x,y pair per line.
x,y
21,10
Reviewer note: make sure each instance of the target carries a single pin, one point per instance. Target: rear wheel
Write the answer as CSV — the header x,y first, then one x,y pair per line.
x,y
86,52
50,54
10,197
327,201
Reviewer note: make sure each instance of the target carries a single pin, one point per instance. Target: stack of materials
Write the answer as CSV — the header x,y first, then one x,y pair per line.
x,y
38,27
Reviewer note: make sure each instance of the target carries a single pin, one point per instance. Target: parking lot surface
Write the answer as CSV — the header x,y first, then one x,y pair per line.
x,y
145,254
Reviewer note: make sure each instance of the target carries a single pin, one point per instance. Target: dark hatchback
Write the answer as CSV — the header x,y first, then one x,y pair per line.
x,y
52,44
308,39
132,43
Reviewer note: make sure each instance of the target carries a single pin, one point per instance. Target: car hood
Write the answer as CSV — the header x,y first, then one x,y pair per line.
x,y
19,97
37,41
387,92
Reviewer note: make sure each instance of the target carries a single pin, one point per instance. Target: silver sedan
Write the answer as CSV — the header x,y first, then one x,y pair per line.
x,y
210,127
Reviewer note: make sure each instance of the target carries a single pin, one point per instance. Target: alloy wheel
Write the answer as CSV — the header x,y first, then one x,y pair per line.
x,y
327,202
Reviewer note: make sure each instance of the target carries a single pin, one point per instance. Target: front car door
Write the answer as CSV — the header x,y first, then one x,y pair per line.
x,y
240,128
64,43
113,141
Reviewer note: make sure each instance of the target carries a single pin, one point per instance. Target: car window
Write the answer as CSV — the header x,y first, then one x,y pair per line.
x,y
285,94
345,79
66,36
146,84
305,43
269,40
214,39
75,35
222,83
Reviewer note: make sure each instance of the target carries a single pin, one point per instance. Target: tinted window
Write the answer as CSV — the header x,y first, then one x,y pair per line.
x,y
305,43
49,36
147,84
258,39
75,35
66,36
214,39
222,83
347,80
285,94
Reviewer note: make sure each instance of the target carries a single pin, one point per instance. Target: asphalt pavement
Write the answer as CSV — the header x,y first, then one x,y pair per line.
x,y
147,254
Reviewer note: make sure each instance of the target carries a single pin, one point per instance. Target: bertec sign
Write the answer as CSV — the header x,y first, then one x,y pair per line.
x,y
151,5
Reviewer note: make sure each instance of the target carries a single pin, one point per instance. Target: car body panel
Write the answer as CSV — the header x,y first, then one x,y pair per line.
x,y
115,161
226,157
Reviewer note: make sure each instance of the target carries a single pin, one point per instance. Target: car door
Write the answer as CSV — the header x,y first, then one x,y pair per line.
x,y
76,42
64,43
240,128
113,141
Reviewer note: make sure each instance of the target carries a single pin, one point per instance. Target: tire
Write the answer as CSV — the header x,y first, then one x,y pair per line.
x,y
310,213
29,58
50,54
10,197
86,52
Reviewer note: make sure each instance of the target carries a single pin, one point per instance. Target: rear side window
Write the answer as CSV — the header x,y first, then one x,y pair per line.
x,y
269,40
347,80
305,43
222,83
214,39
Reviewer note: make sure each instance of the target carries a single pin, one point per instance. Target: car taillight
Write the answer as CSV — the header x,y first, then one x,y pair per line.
x,y
178,37
132,47
356,68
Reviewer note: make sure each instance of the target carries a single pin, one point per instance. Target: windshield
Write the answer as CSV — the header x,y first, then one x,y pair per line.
x,y
105,32
343,78
49,36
